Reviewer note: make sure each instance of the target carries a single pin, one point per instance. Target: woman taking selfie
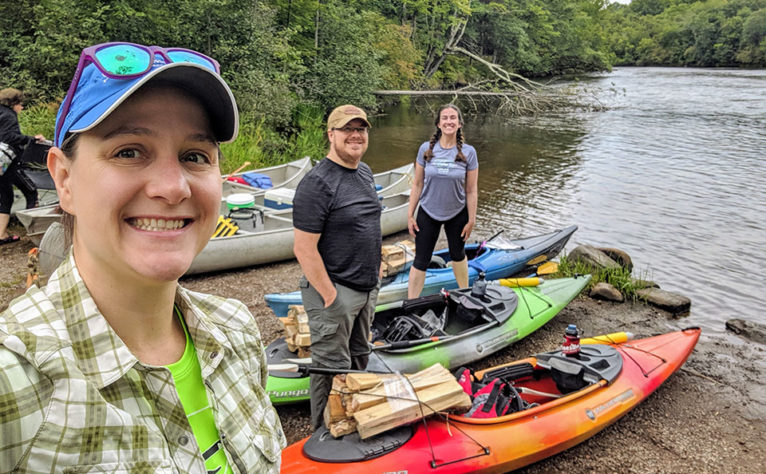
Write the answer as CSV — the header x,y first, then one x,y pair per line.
x,y
113,366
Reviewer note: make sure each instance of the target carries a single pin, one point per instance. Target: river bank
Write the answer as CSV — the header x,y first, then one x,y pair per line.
x,y
708,417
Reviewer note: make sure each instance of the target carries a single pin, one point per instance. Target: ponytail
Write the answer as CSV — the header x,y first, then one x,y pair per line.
x,y
460,156
434,138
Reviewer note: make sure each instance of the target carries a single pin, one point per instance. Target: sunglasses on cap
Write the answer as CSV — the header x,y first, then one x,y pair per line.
x,y
128,61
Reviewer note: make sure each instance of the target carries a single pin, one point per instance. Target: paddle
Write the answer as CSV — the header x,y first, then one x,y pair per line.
x,y
484,242
300,365
519,282
246,163
613,338
547,268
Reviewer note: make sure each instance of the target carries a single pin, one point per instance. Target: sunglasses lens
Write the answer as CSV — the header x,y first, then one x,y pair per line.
x,y
186,56
124,59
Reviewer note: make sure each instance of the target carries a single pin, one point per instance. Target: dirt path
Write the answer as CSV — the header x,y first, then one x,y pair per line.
x,y
708,417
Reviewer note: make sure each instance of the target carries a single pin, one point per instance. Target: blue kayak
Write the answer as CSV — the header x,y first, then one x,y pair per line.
x,y
498,258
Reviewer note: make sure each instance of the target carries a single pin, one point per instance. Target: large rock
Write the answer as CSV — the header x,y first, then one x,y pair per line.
x,y
592,257
639,283
618,256
754,331
671,302
604,291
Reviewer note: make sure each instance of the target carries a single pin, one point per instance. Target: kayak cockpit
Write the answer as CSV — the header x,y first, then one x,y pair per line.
x,y
540,383
442,316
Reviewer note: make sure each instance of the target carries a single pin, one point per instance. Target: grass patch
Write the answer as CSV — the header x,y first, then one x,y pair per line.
x,y
620,278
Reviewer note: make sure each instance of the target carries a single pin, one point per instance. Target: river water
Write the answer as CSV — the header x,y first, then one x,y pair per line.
x,y
671,172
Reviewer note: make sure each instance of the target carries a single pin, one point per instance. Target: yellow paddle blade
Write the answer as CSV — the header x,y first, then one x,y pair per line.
x,y
219,227
548,268
613,338
538,259
517,282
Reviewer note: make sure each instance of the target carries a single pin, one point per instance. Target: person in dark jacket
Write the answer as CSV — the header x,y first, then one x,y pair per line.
x,y
11,103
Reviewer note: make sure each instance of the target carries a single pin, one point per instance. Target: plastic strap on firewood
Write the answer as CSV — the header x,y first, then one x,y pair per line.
x,y
399,392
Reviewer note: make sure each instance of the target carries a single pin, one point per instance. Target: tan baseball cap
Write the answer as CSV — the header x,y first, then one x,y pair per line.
x,y
342,115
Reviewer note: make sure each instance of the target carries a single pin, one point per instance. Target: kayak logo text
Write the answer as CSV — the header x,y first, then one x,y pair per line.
x,y
289,393
624,396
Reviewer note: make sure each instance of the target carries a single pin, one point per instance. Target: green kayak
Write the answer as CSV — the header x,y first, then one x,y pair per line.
x,y
452,328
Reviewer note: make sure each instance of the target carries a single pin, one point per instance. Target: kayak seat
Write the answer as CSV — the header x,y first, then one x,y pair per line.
x,y
437,262
495,395
568,375
595,362
412,327
469,310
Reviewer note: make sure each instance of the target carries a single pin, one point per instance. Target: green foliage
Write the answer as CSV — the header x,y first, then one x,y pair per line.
x,y
710,33
620,278
263,146
346,68
289,62
38,120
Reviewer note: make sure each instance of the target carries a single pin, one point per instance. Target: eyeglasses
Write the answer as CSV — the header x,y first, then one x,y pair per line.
x,y
362,130
128,61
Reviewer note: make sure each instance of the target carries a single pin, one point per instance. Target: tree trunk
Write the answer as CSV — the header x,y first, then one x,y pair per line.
x,y
456,34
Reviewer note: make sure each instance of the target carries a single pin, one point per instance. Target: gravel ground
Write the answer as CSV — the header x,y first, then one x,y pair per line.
x,y
708,417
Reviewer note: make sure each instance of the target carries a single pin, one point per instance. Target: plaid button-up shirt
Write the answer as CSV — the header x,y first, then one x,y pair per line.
x,y
73,398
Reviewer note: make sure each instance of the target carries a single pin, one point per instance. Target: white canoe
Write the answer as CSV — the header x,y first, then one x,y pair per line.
x,y
272,239
398,180
286,175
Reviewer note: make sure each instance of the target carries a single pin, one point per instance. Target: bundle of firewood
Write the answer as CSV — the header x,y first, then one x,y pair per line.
x,y
374,403
297,334
395,256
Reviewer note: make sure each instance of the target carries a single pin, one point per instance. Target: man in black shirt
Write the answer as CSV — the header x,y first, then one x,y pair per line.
x,y
336,214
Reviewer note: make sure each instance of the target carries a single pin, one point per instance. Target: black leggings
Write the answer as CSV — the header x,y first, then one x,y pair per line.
x,y
14,176
425,239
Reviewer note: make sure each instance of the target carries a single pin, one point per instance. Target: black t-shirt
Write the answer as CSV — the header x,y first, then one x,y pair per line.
x,y
342,205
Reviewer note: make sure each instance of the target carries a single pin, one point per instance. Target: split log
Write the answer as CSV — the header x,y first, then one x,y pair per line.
x,y
294,310
303,352
384,405
386,416
342,427
303,339
396,256
434,375
334,410
303,323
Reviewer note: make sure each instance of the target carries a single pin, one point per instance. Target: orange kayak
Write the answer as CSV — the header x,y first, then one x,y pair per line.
x,y
552,402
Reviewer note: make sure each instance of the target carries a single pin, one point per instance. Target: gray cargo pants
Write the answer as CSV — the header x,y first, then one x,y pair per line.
x,y
339,337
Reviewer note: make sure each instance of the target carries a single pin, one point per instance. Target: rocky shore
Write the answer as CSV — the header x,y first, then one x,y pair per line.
x,y
708,417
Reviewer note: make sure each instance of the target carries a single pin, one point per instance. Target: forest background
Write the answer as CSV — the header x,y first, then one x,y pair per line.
x,y
290,61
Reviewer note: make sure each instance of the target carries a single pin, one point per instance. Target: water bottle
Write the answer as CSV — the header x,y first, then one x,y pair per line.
x,y
479,286
571,346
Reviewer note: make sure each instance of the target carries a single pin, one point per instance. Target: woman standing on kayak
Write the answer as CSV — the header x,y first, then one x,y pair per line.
x,y
445,186
113,366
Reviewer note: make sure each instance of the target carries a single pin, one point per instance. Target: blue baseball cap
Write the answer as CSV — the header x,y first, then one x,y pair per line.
x,y
97,95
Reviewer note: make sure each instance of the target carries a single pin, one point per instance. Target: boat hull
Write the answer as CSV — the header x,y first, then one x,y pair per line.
x,y
273,239
525,437
536,306
495,263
